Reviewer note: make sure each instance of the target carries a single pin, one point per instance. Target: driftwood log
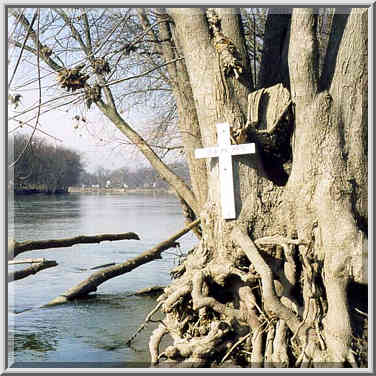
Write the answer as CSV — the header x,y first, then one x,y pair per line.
x,y
15,248
26,261
103,275
33,269
154,290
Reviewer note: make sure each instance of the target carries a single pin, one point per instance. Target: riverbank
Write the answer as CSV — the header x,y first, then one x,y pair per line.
x,y
119,190
31,191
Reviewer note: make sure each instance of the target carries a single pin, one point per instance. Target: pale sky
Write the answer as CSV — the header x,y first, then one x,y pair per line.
x,y
100,143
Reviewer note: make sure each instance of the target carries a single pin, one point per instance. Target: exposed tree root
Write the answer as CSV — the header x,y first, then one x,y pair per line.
x,y
280,355
173,298
196,350
271,301
154,342
257,357
269,346
219,314
200,300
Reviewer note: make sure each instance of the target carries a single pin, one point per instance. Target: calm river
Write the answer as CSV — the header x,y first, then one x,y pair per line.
x,y
90,332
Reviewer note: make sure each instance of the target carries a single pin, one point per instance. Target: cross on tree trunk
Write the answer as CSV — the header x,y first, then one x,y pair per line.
x,y
224,151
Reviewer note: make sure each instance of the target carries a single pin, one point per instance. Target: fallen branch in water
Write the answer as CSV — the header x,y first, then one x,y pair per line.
x,y
148,291
15,248
102,266
90,284
33,269
26,261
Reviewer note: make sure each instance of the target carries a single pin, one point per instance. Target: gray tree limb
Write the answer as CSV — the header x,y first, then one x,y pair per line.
x,y
15,248
33,269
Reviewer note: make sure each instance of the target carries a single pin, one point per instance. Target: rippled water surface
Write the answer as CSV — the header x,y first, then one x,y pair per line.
x,y
90,332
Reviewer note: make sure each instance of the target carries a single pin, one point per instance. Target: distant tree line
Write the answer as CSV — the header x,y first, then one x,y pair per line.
x,y
43,167
145,177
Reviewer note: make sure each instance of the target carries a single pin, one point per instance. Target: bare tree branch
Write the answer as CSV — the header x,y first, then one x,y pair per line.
x,y
22,48
76,35
56,67
144,73
38,130
39,96
43,104
87,32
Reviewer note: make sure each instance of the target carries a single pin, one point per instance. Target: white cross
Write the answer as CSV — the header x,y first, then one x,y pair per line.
x,y
224,151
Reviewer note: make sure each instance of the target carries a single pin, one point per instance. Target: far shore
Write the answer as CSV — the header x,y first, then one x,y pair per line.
x,y
33,190
119,190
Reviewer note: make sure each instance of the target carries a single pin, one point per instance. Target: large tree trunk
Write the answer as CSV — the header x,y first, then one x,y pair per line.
x,y
275,280
319,196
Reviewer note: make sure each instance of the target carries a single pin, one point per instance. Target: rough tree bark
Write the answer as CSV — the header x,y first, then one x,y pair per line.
x,y
281,271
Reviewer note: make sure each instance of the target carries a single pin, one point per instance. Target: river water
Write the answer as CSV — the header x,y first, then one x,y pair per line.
x,y
89,332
